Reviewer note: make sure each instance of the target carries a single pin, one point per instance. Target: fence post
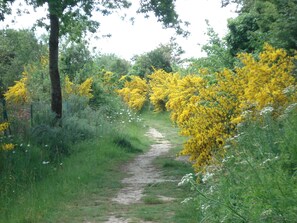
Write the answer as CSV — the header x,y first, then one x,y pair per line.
x,y
31,114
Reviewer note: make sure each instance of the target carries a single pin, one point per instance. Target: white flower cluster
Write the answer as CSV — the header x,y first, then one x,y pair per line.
x,y
206,177
186,179
266,110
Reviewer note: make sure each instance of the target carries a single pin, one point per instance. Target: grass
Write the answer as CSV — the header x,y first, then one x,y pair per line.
x,y
77,188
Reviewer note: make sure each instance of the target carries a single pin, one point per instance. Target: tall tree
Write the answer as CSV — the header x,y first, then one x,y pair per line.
x,y
64,15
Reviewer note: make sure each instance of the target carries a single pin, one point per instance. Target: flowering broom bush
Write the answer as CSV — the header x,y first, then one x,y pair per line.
x,y
135,92
161,84
84,89
207,108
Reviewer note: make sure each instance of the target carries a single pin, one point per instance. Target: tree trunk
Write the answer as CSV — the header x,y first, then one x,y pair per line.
x,y
56,95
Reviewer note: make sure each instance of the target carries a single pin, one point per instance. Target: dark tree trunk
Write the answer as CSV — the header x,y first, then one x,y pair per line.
x,y
56,95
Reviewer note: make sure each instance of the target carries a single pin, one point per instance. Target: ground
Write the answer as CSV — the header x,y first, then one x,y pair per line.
x,y
142,172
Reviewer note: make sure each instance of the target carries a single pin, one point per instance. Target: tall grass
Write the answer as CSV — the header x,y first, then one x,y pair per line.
x,y
256,181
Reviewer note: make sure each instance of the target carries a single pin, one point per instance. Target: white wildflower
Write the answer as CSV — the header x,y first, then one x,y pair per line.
x,y
45,162
204,207
186,179
266,110
206,177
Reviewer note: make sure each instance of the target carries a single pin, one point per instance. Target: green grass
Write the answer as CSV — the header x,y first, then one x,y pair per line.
x,y
77,188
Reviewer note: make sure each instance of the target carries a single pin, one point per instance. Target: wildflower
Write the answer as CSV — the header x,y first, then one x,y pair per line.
x,y
266,110
186,179
206,177
45,162
204,207
289,90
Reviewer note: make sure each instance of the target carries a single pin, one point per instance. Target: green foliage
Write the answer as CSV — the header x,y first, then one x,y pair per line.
x,y
112,63
271,21
4,8
43,157
243,36
74,58
164,57
17,48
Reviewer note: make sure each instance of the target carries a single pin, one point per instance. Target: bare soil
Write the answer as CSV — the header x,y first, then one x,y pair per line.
x,y
141,173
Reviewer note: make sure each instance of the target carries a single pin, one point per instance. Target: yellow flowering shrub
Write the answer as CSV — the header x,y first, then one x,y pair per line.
x,y
201,110
208,107
84,89
18,93
214,112
161,84
266,81
134,92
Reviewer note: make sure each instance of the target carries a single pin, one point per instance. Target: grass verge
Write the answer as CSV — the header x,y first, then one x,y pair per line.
x,y
78,188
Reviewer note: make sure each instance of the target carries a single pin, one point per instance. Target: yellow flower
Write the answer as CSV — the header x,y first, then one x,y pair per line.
x,y
84,89
7,147
4,126
19,92
135,92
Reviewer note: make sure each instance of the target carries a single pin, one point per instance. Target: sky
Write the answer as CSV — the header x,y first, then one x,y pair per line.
x,y
128,40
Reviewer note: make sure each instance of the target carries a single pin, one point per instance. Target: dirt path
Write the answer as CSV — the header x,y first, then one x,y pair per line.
x,y
141,172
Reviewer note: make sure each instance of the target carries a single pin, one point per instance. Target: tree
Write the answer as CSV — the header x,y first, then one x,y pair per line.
x,y
73,17
218,54
74,57
113,63
17,48
260,21
163,57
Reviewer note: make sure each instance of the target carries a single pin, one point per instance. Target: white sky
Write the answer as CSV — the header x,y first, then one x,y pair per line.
x,y
146,34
